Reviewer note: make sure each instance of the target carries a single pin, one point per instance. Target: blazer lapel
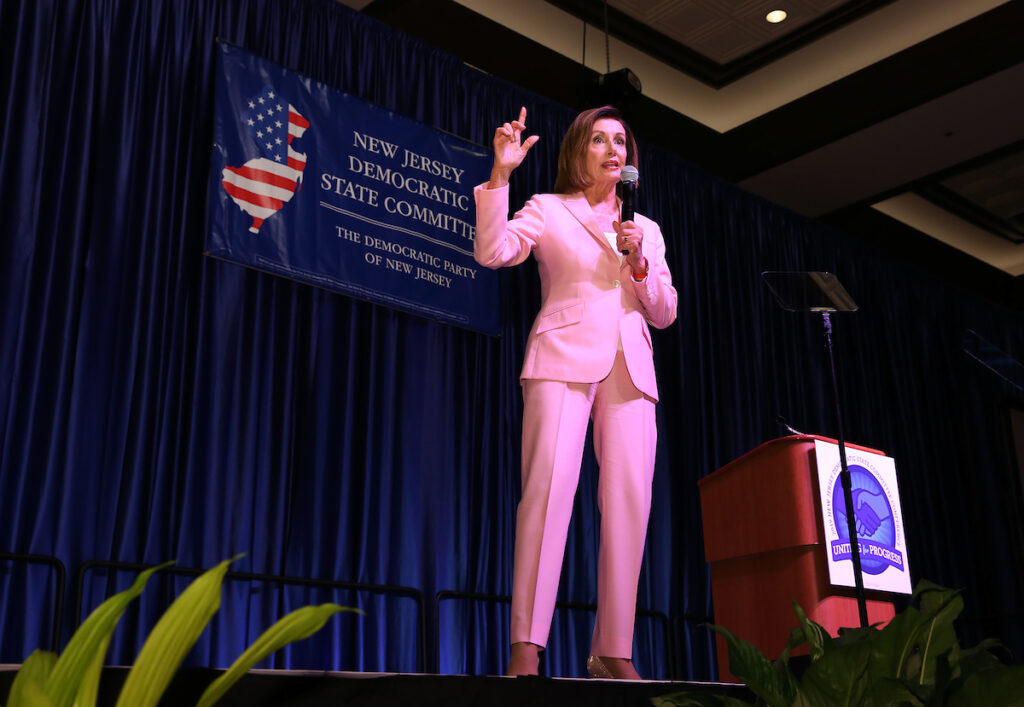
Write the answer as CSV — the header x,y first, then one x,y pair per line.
x,y
579,207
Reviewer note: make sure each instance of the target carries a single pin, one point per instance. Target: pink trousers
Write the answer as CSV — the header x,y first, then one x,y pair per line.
x,y
554,431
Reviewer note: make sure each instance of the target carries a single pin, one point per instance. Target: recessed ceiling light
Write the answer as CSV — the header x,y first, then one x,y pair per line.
x,y
776,16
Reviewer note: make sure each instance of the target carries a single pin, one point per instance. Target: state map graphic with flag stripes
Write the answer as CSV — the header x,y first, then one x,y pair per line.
x,y
263,185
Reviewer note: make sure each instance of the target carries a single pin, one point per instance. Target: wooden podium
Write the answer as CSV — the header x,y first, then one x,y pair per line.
x,y
764,540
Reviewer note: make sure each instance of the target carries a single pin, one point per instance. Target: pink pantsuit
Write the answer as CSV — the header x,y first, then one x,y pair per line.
x,y
588,355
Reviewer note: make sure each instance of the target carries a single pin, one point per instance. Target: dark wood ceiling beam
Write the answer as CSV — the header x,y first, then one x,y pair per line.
x,y
905,244
679,56
955,58
489,46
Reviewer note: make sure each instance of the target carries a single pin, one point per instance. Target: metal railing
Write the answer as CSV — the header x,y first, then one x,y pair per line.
x,y
58,592
387,589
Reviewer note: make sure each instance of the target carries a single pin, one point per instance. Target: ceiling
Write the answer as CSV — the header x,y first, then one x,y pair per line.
x,y
898,121
720,31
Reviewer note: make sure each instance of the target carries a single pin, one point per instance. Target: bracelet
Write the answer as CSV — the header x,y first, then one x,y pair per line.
x,y
647,268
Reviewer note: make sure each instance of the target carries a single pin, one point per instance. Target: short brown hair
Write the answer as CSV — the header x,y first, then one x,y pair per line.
x,y
572,174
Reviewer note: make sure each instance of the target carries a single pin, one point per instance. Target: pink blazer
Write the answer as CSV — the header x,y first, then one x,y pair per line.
x,y
588,301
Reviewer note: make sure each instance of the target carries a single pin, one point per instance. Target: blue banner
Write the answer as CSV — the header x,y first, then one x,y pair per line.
x,y
318,186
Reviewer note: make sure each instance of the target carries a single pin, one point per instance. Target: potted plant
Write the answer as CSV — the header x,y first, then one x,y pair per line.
x,y
48,680
915,659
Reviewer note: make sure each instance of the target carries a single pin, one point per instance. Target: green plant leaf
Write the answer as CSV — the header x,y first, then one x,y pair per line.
x,y
973,660
32,695
63,682
775,686
938,637
890,691
1000,687
172,638
947,669
895,645
796,639
817,637
912,671
838,676
924,587
35,671
295,626
90,684
848,636
908,645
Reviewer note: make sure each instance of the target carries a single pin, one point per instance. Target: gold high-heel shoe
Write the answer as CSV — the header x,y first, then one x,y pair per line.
x,y
615,670
597,669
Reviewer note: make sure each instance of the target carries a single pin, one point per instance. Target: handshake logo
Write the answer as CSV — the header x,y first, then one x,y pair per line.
x,y
876,528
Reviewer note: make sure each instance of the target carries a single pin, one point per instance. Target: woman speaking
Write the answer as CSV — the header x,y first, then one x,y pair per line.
x,y
588,355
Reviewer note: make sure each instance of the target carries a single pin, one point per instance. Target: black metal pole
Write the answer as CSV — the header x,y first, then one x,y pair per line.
x,y
851,522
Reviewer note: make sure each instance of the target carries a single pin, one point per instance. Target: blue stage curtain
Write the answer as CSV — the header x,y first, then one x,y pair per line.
x,y
156,404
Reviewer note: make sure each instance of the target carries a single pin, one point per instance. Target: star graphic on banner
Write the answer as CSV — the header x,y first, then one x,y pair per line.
x,y
267,121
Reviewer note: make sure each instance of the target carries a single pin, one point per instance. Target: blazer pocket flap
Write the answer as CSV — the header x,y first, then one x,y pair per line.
x,y
560,318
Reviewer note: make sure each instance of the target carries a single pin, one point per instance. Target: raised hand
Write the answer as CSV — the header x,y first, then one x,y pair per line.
x,y
509,149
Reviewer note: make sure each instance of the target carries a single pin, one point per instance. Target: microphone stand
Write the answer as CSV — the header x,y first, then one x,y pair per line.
x,y
821,292
844,474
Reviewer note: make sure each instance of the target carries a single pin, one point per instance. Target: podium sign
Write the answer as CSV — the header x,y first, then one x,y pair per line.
x,y
877,512
766,544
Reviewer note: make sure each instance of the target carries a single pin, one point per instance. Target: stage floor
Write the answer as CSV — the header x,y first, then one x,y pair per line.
x,y
296,687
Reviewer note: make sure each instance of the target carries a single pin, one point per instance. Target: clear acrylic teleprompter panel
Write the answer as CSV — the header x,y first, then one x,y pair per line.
x,y
809,291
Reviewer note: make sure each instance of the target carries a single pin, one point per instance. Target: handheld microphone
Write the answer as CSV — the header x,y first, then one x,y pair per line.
x,y
628,176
